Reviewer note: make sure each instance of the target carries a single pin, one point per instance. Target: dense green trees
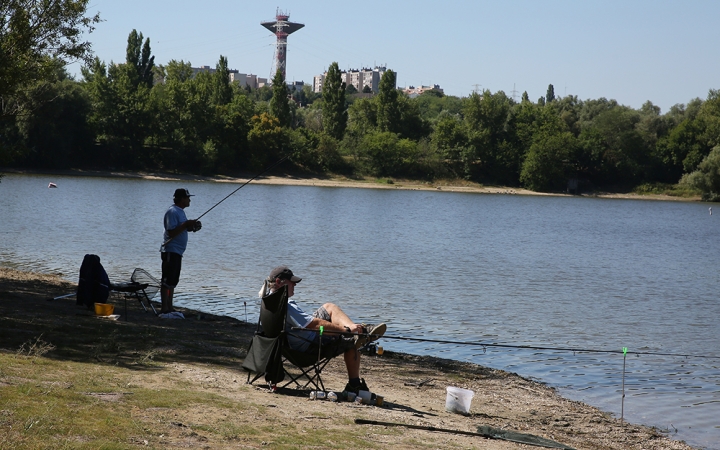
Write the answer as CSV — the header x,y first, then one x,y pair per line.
x,y
36,40
139,115
34,34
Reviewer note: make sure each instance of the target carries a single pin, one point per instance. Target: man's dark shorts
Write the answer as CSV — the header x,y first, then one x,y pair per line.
x,y
332,345
171,265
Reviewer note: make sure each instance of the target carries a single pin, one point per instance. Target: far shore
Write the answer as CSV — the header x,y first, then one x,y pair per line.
x,y
344,182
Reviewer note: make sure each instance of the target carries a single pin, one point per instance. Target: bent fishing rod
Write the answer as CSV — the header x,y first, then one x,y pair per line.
x,y
267,169
524,347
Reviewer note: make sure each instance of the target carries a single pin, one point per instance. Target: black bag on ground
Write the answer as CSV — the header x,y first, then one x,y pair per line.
x,y
94,284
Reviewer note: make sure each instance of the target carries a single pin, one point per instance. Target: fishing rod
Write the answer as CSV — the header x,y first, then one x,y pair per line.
x,y
526,347
272,166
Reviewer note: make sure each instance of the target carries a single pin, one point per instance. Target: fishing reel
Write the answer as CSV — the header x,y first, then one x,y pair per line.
x,y
197,226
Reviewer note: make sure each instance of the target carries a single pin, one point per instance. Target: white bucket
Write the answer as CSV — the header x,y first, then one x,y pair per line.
x,y
458,400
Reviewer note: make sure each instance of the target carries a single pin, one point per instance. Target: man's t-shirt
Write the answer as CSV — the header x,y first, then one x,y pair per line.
x,y
174,216
296,317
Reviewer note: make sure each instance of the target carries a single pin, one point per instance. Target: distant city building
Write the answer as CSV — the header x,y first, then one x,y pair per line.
x,y
242,79
318,81
360,78
239,78
413,91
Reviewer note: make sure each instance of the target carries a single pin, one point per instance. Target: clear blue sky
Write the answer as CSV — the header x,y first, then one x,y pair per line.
x,y
665,51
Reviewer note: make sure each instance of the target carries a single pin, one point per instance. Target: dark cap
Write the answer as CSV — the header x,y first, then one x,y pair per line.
x,y
182,193
284,273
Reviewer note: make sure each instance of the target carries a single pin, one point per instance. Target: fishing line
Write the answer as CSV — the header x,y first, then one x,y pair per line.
x,y
272,166
526,347
566,349
244,184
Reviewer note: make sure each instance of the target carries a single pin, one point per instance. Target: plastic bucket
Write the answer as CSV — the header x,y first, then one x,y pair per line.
x,y
458,400
104,309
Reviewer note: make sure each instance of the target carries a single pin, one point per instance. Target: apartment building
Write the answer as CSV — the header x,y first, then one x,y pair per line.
x,y
243,79
360,78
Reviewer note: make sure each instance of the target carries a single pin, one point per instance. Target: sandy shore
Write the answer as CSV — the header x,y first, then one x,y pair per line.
x,y
367,183
147,382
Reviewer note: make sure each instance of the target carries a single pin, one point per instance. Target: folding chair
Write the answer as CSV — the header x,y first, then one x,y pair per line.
x,y
142,286
269,349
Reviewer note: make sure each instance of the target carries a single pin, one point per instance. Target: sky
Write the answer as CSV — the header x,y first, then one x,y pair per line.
x,y
664,51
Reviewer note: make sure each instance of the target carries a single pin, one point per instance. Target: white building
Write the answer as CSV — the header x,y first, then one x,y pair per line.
x,y
413,91
360,78
318,81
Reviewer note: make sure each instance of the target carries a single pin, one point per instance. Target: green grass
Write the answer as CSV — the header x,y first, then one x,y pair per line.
x,y
674,190
45,401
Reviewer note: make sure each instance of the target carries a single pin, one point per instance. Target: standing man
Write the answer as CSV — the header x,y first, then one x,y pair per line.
x,y
175,240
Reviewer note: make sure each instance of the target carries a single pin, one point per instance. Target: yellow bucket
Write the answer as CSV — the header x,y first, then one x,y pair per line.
x,y
104,309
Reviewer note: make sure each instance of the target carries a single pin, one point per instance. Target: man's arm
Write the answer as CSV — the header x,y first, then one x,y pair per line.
x,y
188,225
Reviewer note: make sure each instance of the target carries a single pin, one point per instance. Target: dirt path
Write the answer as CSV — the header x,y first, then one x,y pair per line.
x,y
179,384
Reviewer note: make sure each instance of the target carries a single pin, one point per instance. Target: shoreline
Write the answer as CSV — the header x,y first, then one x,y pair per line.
x,y
133,368
344,182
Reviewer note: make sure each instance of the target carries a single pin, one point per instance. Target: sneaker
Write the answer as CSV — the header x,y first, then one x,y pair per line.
x,y
370,333
375,332
355,389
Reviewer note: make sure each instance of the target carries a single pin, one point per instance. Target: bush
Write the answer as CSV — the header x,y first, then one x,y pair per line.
x,y
706,178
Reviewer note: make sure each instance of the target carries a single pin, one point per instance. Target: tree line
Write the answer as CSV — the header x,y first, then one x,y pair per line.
x,y
140,115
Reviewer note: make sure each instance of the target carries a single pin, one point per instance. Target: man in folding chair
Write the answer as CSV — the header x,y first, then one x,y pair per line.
x,y
343,334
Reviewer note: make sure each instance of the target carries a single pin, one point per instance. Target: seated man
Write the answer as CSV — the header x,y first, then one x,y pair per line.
x,y
339,330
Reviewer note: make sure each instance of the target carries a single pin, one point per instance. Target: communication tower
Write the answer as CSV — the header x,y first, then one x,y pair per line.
x,y
281,28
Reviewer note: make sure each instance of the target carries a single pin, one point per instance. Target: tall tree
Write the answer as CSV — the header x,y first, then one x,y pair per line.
x,y
388,108
222,91
279,106
35,33
335,113
550,96
138,58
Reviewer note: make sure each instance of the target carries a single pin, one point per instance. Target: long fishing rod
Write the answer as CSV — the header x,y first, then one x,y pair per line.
x,y
526,347
272,166
244,184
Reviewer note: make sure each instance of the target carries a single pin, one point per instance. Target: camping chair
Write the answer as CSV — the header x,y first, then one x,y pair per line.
x,y
269,349
142,286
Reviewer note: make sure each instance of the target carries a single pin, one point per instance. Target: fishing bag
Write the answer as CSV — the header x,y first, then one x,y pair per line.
x,y
94,284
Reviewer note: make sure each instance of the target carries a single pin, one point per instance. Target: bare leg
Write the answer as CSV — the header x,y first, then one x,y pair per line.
x,y
352,363
337,315
352,356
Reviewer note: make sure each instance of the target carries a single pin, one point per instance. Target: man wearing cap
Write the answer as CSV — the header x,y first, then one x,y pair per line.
x,y
175,240
346,335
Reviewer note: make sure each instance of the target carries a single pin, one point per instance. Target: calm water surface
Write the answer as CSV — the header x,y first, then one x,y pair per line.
x,y
536,271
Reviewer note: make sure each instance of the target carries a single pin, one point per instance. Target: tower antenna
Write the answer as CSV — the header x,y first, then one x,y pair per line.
x,y
281,28
514,93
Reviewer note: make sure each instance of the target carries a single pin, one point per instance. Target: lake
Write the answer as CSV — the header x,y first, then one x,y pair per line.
x,y
558,272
